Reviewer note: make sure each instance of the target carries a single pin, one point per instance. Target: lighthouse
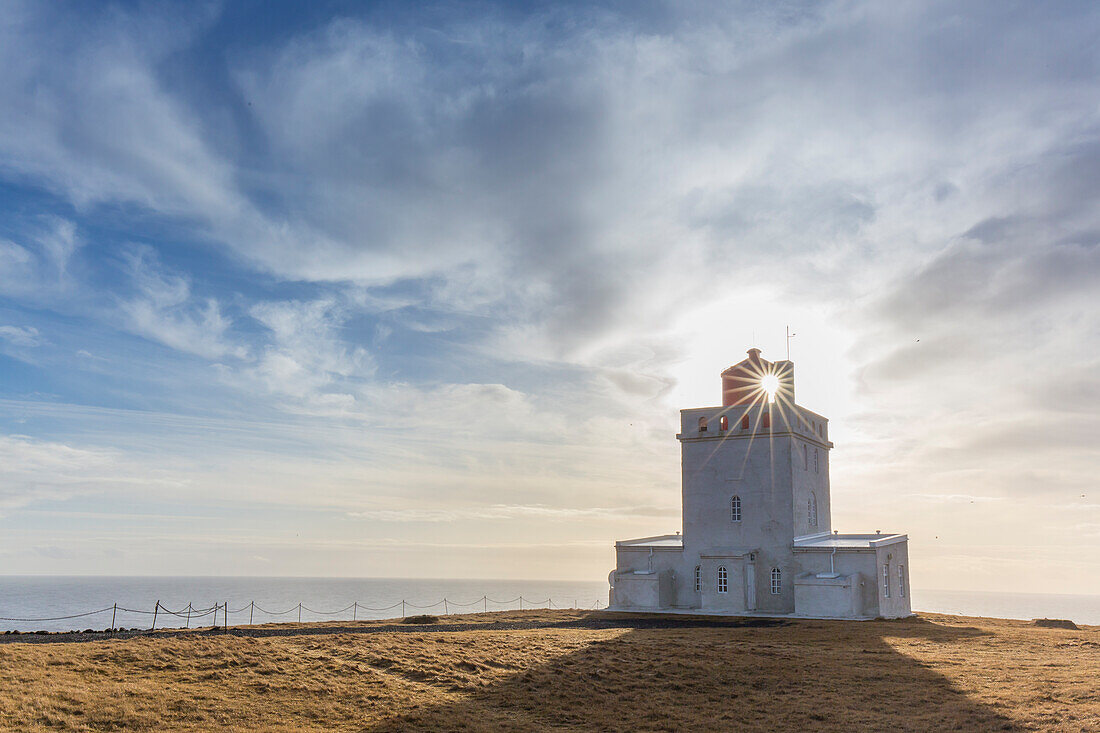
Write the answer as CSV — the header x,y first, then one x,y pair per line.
x,y
757,536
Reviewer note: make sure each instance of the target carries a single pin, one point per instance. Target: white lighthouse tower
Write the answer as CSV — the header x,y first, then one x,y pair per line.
x,y
757,529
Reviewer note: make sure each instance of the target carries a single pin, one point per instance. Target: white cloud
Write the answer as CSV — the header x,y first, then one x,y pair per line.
x,y
165,311
36,268
27,337
33,470
957,498
306,357
99,127
503,512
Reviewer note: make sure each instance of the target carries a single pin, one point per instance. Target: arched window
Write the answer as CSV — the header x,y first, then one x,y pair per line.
x,y
777,581
815,461
767,420
901,581
702,425
735,509
723,578
723,423
698,578
805,459
811,510
744,422
886,580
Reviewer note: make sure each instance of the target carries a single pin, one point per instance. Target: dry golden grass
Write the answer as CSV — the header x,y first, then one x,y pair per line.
x,y
929,673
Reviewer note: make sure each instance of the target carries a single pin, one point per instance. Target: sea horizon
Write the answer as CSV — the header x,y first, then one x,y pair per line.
x,y
263,599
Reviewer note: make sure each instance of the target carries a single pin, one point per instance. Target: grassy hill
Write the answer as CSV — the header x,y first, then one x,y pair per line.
x,y
566,670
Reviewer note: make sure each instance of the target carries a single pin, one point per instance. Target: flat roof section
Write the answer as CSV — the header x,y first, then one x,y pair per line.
x,y
674,541
847,541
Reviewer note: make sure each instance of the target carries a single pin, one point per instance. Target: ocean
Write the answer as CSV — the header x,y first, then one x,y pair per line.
x,y
267,599
325,599
1079,609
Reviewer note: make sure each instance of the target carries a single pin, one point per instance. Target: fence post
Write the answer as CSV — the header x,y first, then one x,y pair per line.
x,y
485,603
445,611
155,609
214,623
354,610
521,603
299,613
251,608
402,608
188,624
114,609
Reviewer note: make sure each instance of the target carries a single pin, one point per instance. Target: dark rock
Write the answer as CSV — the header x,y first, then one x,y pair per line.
x,y
1054,623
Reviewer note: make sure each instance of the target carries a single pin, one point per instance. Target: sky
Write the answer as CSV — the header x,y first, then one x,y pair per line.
x,y
418,289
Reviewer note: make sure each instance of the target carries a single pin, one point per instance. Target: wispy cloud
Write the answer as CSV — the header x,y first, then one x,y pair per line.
x,y
306,357
506,512
34,470
165,311
21,336
36,267
957,498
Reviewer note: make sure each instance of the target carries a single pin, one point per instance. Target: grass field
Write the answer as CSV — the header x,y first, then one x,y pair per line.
x,y
928,673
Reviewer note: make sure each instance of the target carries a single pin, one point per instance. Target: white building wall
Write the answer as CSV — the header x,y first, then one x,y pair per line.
x,y
897,605
735,599
808,481
668,561
838,597
765,468
638,591
861,562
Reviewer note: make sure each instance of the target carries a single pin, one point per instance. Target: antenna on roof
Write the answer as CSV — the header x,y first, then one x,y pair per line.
x,y
789,337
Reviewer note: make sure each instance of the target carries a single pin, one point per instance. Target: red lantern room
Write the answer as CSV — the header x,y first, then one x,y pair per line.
x,y
747,383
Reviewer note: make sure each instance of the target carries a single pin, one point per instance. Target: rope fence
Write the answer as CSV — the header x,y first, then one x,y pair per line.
x,y
190,613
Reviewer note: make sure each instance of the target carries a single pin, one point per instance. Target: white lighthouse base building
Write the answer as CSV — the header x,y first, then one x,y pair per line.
x,y
757,534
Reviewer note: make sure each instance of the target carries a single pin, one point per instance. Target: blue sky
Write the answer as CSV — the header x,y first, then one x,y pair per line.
x,y
418,289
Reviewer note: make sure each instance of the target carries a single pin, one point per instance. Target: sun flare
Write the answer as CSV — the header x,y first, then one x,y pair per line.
x,y
770,384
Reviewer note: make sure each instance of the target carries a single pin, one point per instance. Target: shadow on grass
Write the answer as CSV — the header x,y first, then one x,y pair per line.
x,y
708,675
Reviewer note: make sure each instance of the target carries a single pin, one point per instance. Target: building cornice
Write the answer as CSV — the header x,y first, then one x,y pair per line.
x,y
762,434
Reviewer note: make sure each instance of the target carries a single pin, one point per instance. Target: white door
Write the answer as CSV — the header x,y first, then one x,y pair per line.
x,y
750,586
